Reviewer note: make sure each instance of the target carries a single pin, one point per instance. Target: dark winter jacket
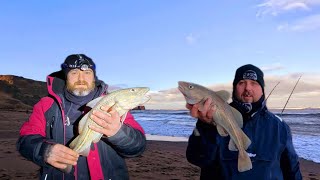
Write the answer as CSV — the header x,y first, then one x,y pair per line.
x,y
46,126
271,151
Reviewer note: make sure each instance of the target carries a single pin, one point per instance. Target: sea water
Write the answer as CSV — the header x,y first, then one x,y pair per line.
x,y
304,124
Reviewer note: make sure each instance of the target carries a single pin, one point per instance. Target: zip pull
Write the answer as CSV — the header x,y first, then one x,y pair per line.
x,y
67,123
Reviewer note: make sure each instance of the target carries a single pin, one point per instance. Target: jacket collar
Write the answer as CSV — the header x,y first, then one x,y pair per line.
x,y
56,83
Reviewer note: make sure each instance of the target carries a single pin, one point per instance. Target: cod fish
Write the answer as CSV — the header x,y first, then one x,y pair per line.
x,y
226,118
121,100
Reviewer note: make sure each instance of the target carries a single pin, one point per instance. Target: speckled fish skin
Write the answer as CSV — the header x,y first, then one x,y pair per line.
x,y
121,100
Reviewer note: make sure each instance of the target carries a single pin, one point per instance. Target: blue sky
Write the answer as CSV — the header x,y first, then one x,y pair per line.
x,y
157,43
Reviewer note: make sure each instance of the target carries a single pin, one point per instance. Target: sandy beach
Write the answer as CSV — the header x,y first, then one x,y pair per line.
x,y
161,160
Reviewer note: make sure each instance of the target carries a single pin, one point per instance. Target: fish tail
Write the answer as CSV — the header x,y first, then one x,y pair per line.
x,y
244,161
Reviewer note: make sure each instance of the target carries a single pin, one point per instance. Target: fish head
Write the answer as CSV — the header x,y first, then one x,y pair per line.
x,y
193,93
130,98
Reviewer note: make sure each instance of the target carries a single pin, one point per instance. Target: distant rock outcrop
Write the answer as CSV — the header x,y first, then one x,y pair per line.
x,y
139,108
18,93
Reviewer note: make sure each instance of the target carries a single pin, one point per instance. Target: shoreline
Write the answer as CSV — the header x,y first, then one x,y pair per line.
x,y
151,137
161,160
164,157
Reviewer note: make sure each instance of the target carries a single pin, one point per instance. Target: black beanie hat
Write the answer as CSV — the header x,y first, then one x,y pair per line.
x,y
79,61
251,72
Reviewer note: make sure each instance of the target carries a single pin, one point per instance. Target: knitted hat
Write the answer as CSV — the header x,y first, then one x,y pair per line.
x,y
250,72
79,61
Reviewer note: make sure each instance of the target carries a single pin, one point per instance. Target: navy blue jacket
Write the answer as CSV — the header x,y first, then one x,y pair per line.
x,y
271,151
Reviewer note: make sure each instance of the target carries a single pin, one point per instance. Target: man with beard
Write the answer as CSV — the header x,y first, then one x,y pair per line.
x,y
271,151
53,124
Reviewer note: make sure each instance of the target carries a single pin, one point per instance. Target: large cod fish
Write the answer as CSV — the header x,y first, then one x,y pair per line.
x,y
226,118
121,100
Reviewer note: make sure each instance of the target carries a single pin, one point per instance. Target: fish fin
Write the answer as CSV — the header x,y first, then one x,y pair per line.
x,y
222,131
217,116
214,123
123,117
245,140
97,138
232,146
196,132
82,122
244,161
94,102
225,95
200,108
237,116
72,145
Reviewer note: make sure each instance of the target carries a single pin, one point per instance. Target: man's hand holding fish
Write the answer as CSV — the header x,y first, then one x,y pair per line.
x,y
109,121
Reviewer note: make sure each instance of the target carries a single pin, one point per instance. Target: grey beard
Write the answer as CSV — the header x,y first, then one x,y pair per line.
x,y
81,92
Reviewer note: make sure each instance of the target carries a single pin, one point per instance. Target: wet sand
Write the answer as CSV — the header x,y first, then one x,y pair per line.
x,y
161,160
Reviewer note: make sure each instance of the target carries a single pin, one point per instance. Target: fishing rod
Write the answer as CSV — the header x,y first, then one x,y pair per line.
x,y
272,90
290,95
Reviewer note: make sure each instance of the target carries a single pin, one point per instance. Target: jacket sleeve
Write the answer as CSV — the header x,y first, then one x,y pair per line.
x,y
289,159
130,140
202,147
32,142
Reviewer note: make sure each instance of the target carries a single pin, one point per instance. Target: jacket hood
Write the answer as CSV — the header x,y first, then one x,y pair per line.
x,y
56,82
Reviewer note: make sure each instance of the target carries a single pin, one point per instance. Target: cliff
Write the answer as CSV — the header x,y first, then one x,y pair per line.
x,y
18,93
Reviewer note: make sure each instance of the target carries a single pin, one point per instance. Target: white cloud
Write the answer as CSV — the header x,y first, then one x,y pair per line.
x,y
301,23
305,24
272,67
166,99
276,7
113,88
191,38
297,5
283,27
305,95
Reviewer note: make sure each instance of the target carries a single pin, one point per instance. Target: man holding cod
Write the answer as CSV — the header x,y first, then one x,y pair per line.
x,y
271,150
54,124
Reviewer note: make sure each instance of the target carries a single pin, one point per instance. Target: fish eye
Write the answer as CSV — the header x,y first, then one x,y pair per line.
x,y
132,90
191,87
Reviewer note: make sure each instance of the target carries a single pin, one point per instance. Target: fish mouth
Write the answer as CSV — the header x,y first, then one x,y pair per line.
x,y
181,87
182,83
188,100
145,98
181,90
144,90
